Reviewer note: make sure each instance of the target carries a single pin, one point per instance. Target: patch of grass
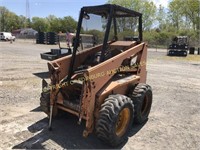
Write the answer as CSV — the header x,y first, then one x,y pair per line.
x,y
158,46
188,58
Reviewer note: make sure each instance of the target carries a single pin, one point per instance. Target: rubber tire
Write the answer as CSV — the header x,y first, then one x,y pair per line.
x,y
108,117
45,102
138,95
186,54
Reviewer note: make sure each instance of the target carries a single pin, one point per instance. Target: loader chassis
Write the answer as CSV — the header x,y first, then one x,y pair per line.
x,y
81,82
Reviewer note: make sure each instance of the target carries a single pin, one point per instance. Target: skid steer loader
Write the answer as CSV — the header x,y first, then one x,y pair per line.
x,y
105,85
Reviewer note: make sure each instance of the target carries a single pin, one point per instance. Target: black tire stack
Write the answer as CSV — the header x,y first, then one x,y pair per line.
x,y
47,38
51,38
41,38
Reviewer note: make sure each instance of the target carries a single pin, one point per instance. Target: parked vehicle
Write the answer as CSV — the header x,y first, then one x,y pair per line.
x,y
179,46
7,36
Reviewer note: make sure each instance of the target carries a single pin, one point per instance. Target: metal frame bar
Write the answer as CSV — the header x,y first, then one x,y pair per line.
x,y
71,68
140,29
102,58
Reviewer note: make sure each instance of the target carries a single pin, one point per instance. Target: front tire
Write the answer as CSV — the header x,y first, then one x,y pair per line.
x,y
115,119
45,104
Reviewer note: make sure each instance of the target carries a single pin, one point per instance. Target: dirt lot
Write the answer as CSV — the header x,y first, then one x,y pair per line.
x,y
174,122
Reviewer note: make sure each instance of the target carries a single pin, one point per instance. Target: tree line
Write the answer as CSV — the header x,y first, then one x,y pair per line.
x,y
160,24
10,21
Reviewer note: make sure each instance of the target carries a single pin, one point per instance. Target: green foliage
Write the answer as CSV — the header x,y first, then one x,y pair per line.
x,y
185,14
175,13
10,21
146,7
125,33
68,24
192,11
161,17
54,24
40,24
97,34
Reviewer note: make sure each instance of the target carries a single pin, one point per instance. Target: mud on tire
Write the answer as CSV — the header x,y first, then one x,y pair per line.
x,y
115,119
142,100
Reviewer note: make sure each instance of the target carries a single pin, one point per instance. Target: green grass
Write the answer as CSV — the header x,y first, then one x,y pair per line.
x,y
188,58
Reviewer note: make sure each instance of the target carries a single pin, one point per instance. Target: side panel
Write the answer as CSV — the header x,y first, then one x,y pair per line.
x,y
119,86
102,73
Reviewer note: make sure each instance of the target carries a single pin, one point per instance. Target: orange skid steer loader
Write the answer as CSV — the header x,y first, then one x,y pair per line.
x,y
105,85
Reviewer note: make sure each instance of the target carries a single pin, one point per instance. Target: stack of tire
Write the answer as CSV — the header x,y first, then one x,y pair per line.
x,y
51,37
41,38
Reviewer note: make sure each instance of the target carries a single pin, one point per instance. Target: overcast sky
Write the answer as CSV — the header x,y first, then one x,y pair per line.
x,y
59,8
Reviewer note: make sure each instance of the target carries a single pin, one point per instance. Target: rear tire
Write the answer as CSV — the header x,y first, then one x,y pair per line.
x,y
115,119
142,100
45,104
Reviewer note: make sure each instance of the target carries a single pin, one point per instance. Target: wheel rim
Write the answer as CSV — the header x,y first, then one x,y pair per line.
x,y
144,108
122,122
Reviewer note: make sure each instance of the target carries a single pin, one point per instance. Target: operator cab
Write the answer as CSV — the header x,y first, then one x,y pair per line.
x,y
109,24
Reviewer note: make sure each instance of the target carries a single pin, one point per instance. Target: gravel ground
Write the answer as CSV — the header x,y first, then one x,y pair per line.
x,y
173,122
